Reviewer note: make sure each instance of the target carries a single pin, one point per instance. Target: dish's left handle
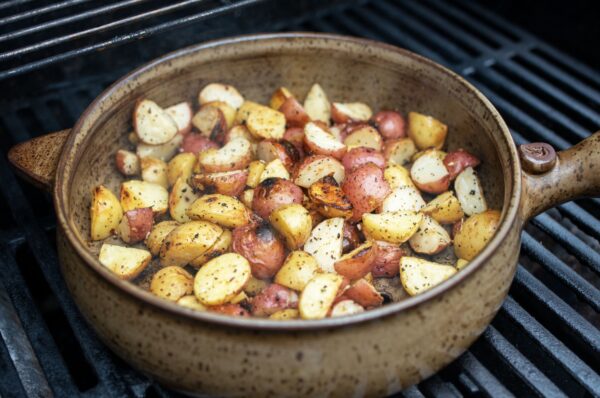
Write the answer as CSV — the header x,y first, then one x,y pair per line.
x,y
36,160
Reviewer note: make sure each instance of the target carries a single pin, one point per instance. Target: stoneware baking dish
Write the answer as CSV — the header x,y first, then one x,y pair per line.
x,y
374,353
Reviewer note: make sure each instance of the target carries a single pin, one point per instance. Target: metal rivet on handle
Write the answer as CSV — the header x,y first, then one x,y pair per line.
x,y
537,157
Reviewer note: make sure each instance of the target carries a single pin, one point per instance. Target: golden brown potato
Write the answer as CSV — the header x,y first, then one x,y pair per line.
x,y
228,112
155,171
390,124
192,303
127,162
346,307
398,176
469,192
350,112
279,96
395,227
220,209
315,167
221,246
426,131
399,151
172,283
158,234
418,275
285,315
318,295
274,169
329,198
293,222
247,197
317,105
475,233
235,155
273,193
152,124
321,142
364,294
221,92
125,262
181,198
366,188
163,152
187,242
444,208
429,173
180,166
364,136
136,225
139,194
325,243
255,170
182,115
406,198
230,183
299,268
264,122
221,279
261,247
359,156
430,238
211,123
357,263
273,299
105,213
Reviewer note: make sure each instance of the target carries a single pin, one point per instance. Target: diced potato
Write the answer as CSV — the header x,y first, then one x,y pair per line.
x,y
247,197
211,123
475,232
325,243
418,275
430,238
346,307
228,111
274,168
445,208
406,198
154,171
399,151
317,105
314,168
180,166
224,210
221,246
318,295
105,213
279,97
398,176
191,302
127,162
284,315
181,198
350,112
221,92
264,122
188,241
255,170
426,131
293,222
329,199
299,268
182,115
255,286
158,234
135,225
125,262
366,136
221,279
235,155
244,111
153,125
395,227
172,283
461,263
429,173
321,142
469,192
137,194
163,152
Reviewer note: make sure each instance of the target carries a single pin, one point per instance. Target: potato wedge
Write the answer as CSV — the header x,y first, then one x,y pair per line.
x,y
135,225
264,122
317,105
158,234
329,198
346,307
390,124
325,243
220,209
426,131
230,183
285,315
350,112
192,303
172,283
235,155
163,152
315,167
461,263
188,241
255,286
397,227
357,263
255,170
430,238
247,197
241,117
459,160
469,192
211,123
180,166
295,115
195,143
364,293
152,124
154,171
399,151
293,222
138,194
279,96
406,198
180,200
474,234
365,136
444,208
221,246
127,163
221,92
182,115
125,262
429,173
318,295
418,275
273,193
272,299
398,176
105,213
274,169
321,142
268,150
299,268
221,279
228,111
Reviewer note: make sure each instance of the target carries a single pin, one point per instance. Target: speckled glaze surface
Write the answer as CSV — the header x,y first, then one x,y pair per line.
x,y
370,354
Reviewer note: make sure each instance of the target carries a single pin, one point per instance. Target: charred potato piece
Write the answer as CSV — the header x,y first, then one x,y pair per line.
x,y
350,112
397,227
273,193
469,192
154,171
329,198
228,112
269,150
317,105
406,198
299,268
172,283
180,166
221,246
357,157
261,246
105,213
220,209
318,295
444,208
181,198
315,167
398,176
293,222
273,299
211,123
275,168
429,173
127,163
152,124
221,279
366,188
351,237
187,242
279,97
135,225
235,155
139,194
418,275
158,234
321,142
430,238
474,234
357,263
221,92
390,124
426,131
125,262
325,243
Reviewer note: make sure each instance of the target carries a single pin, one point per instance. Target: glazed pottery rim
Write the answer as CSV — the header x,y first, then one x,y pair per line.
x,y
63,186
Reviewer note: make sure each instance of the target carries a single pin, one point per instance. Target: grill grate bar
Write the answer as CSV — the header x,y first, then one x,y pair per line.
x,y
40,11
10,3
581,218
482,377
412,392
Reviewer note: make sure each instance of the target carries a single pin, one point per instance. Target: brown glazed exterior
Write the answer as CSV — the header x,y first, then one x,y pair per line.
x,y
374,353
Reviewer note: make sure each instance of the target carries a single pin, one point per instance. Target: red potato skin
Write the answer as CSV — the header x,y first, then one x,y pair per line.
x,y
387,260
232,185
230,309
352,237
357,157
358,266
273,193
139,222
122,157
259,244
366,188
363,293
456,227
283,150
435,187
312,147
272,299
459,160
294,113
390,124
195,143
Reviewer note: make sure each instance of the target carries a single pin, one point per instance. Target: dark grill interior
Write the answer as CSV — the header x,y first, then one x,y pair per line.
x,y
545,340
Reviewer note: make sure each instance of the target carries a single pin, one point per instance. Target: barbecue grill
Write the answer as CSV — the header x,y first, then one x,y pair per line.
x,y
545,339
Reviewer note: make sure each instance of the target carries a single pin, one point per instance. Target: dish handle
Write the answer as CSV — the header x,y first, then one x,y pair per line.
x,y
36,160
551,178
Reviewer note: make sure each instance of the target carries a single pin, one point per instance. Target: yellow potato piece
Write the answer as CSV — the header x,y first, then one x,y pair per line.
x,y
188,241
293,222
172,283
180,200
255,171
426,131
125,262
221,246
396,227
418,275
105,213
158,234
299,268
224,210
318,295
274,168
191,302
180,166
286,314
475,233
221,279
137,194
444,208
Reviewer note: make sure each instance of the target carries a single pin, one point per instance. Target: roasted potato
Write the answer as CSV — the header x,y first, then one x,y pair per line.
x,y
359,156
406,198
318,295
261,246
325,243
247,197
387,259
180,166
139,194
125,262
241,117
398,176
364,294
357,263
221,279
321,142
444,208
350,112
127,163
396,227
163,152
294,113
317,105
390,124
181,198
329,198
469,192
230,183
459,160
365,136
221,246
191,302
461,263
211,123
235,155
275,168
152,124
418,275
279,96
135,225
230,309
228,111
158,234
255,170
188,241
429,173
315,167
299,268
195,143
399,151
264,122
295,136
182,115
346,307
293,222
273,193
474,234
221,92
154,171
430,238
241,131
255,286
426,131
220,209
352,237
172,283
366,188
105,213
285,315
273,299
269,150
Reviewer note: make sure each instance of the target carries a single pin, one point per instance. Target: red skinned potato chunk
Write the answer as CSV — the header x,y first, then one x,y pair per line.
x,y
273,193
387,259
295,135
272,299
352,237
365,294
429,173
357,263
261,247
152,124
235,155
294,113
366,188
356,157
136,224
230,309
315,167
211,123
399,151
196,143
269,150
319,141
390,124
230,183
459,160
127,162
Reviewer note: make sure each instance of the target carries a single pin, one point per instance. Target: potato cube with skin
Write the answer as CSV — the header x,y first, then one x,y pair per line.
x,y
444,208
426,131
221,92
153,125
429,173
155,171
180,166
406,198
188,241
397,227
469,192
105,213
264,122
228,111
430,238
172,283
293,222
318,295
461,263
321,142
158,234
181,198
247,197
329,198
366,137
182,115
235,155
315,167
255,170
220,209
221,279
125,262
325,243
350,112
474,234
299,268
274,168
137,194
317,105
211,123
127,162
136,225
418,275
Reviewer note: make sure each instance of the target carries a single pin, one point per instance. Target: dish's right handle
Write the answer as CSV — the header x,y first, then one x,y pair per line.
x,y
551,178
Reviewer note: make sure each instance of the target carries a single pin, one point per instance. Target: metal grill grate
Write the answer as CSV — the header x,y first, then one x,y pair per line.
x,y
545,340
